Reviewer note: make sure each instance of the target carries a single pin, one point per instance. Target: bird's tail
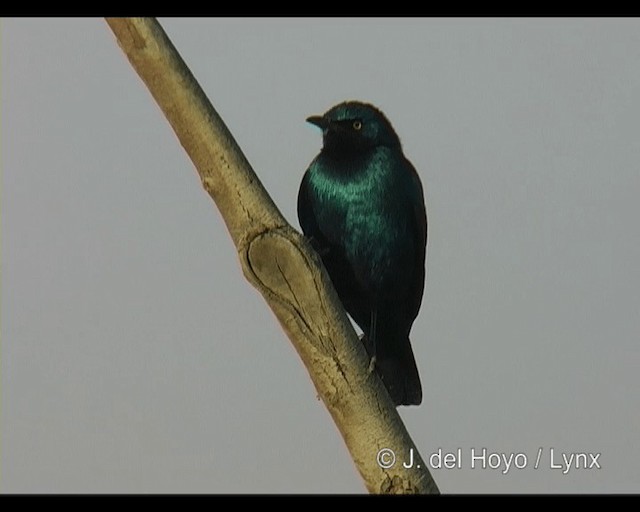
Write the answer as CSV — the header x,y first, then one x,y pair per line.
x,y
398,371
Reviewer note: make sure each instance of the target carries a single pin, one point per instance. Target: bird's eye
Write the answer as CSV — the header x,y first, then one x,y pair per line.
x,y
357,125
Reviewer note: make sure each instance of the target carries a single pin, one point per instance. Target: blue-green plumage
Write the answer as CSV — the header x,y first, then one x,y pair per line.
x,y
362,205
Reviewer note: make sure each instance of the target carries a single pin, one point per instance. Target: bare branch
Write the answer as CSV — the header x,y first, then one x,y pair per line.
x,y
280,263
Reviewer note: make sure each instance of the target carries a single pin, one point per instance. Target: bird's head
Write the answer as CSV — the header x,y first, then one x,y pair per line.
x,y
353,127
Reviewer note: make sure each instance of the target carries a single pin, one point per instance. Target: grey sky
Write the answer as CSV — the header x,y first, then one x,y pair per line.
x,y
136,358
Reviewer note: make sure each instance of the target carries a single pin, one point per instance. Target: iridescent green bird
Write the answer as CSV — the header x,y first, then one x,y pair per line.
x,y
362,206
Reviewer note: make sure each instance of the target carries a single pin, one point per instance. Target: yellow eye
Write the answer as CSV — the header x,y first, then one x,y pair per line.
x,y
357,125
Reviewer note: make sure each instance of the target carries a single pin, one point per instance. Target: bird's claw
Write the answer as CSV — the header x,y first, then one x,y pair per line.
x,y
318,247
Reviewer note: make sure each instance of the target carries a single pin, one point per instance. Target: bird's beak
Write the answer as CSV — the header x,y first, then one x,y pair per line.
x,y
320,121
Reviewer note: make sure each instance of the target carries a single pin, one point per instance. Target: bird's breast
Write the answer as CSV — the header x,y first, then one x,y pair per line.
x,y
365,214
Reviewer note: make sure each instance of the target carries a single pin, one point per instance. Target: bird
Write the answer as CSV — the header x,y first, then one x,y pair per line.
x,y
361,205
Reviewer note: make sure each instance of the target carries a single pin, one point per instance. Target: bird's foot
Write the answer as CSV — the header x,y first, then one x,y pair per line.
x,y
372,364
318,247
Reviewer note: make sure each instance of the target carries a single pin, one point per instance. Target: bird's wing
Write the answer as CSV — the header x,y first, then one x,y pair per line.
x,y
419,210
418,217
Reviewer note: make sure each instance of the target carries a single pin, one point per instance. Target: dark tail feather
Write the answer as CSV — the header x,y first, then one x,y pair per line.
x,y
397,368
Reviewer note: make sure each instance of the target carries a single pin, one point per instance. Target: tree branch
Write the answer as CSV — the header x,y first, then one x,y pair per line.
x,y
281,264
